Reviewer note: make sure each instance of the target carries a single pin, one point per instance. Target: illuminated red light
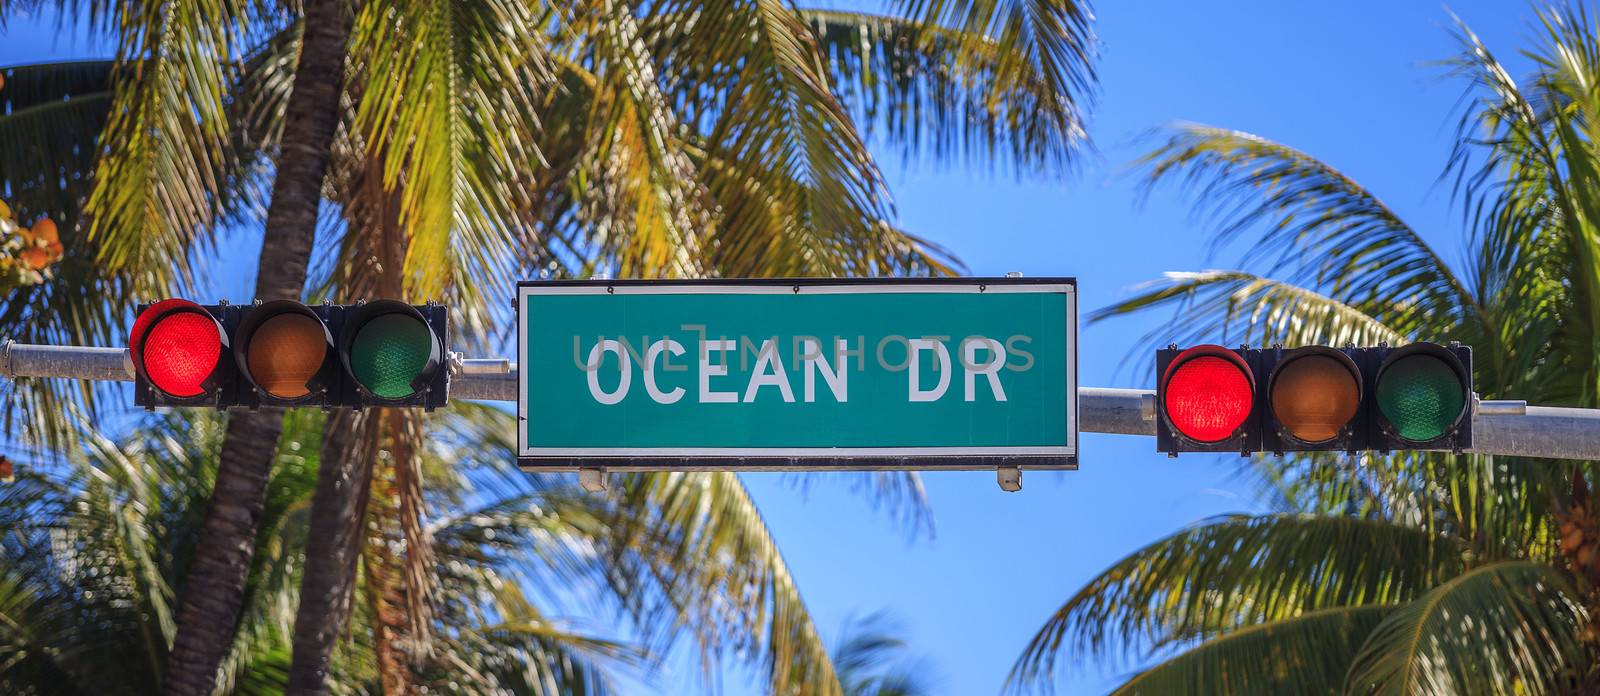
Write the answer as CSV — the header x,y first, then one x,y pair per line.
x,y
1207,397
180,351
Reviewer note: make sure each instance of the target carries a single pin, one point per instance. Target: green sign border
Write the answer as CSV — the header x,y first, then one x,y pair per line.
x,y
812,458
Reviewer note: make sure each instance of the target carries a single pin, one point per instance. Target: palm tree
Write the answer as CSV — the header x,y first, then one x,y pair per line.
x,y
872,660
603,71
93,544
674,139
47,113
218,573
1418,572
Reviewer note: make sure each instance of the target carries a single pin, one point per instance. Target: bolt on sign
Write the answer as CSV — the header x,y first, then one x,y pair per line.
x,y
798,374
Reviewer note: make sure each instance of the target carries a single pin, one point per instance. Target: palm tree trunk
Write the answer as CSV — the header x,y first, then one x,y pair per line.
x,y
398,583
214,588
385,597
333,544
344,483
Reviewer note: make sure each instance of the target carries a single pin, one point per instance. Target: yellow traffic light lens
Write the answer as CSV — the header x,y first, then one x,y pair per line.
x,y
1314,396
285,352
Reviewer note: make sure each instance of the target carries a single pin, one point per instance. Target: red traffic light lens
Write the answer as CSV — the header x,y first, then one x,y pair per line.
x,y
180,351
1207,397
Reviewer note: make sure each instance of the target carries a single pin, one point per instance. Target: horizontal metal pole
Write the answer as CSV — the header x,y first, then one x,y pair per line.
x,y
1117,411
1509,428
485,387
1501,408
70,362
1541,431
460,365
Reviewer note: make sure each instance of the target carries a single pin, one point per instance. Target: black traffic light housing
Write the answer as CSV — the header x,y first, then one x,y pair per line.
x,y
1244,439
1368,428
1277,437
331,383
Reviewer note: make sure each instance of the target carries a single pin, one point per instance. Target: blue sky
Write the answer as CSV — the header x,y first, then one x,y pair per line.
x,y
1349,82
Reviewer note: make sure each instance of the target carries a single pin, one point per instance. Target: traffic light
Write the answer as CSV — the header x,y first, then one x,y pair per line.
x,y
284,353
1314,398
393,354
1423,397
180,354
1206,400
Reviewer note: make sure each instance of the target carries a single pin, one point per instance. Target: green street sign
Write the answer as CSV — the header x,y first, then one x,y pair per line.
x,y
798,374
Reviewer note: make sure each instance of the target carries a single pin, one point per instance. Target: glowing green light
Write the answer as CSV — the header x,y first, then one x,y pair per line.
x,y
1421,396
389,352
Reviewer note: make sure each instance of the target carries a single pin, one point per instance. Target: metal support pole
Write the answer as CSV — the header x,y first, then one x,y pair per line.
x,y
1510,428
460,365
501,387
1119,411
70,362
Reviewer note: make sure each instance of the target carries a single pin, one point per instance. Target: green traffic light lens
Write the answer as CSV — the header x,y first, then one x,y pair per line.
x,y
1421,396
389,352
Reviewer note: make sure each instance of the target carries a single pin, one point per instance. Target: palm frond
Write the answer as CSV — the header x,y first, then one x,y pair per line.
x,y
640,198
1306,654
104,557
797,190
158,193
260,93
33,619
872,660
1236,571
756,184
1509,627
1237,306
1532,193
51,116
1499,507
448,103
523,652
492,559
259,657
699,538
960,93
1320,227
1323,483
50,119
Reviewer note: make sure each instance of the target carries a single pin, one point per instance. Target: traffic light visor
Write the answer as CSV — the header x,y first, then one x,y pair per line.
x,y
176,344
1207,393
391,353
1422,395
1315,394
285,346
